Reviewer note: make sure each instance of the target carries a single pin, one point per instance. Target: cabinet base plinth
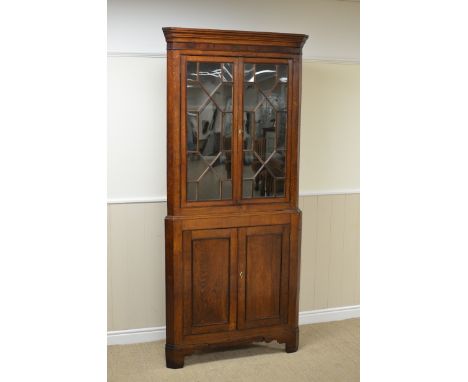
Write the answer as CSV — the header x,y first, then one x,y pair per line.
x,y
293,344
175,354
174,358
292,347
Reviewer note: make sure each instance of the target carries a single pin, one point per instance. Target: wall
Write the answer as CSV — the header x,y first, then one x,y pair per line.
x,y
137,128
333,26
329,159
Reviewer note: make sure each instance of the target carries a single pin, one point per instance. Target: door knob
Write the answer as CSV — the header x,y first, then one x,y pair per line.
x,y
241,275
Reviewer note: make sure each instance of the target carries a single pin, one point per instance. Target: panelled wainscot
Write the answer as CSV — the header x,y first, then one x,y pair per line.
x,y
233,224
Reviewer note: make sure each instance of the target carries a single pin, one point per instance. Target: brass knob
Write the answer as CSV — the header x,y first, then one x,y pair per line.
x,y
241,275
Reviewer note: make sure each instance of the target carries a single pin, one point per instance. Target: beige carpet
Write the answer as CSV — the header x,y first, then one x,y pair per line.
x,y
327,352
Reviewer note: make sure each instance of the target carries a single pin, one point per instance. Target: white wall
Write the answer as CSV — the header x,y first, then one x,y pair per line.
x,y
136,152
332,25
329,160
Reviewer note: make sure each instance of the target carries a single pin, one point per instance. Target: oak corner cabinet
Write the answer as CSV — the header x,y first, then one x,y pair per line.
x,y
233,226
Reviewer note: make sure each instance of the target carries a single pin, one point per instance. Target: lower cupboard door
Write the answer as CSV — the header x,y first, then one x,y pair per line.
x,y
263,276
210,280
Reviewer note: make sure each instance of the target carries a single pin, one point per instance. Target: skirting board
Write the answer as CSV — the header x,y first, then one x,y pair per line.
x,y
133,336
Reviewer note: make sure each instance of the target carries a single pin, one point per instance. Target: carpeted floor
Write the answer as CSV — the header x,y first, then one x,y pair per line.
x,y
327,352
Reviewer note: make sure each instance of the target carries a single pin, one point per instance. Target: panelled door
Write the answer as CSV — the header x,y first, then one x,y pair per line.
x,y
235,278
210,280
263,276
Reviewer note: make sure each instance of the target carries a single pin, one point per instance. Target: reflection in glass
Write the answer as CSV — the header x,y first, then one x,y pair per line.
x,y
247,189
196,97
209,75
209,130
265,76
249,72
252,97
227,189
192,71
227,131
278,96
223,97
281,119
227,72
192,190
265,130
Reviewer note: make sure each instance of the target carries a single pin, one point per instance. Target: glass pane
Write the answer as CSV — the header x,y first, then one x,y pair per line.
x,y
223,97
283,73
249,124
227,72
263,184
196,96
227,131
249,72
209,75
196,166
209,187
278,96
227,189
264,131
192,71
265,134
265,76
279,187
247,189
251,164
192,131
252,97
219,165
225,159
209,130
275,164
191,191
281,118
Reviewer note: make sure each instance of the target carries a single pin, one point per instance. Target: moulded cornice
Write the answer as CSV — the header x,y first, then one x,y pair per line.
x,y
232,37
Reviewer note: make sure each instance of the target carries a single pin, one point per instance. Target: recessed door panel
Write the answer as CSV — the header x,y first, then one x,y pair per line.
x,y
263,273
210,258
210,281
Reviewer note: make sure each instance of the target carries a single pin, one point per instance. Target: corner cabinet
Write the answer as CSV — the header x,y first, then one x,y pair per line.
x,y
233,226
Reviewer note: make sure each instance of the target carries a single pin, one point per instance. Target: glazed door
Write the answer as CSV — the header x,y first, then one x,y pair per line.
x,y
209,118
265,129
210,280
263,276
236,128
